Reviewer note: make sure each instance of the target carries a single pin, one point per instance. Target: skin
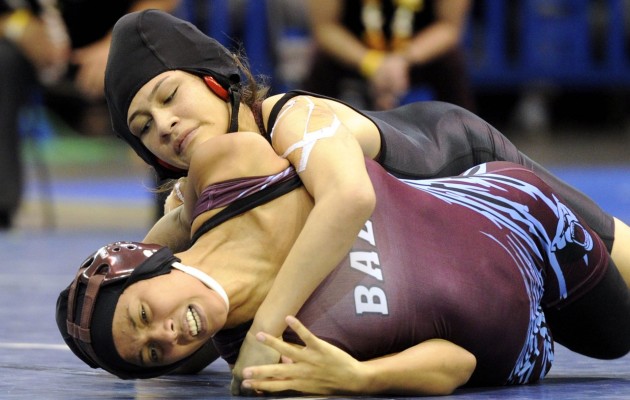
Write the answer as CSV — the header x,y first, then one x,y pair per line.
x,y
37,44
150,325
433,367
170,115
237,254
44,51
391,80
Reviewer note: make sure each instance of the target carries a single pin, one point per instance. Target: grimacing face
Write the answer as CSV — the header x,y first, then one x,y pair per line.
x,y
165,319
174,111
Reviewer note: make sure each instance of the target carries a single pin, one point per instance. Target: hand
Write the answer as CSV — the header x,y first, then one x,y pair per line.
x,y
385,99
253,352
317,368
391,81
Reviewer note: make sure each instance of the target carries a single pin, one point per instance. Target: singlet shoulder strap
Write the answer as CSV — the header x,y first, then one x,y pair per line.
x,y
247,203
273,115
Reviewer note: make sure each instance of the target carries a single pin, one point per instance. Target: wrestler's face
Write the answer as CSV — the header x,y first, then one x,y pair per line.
x,y
174,112
162,320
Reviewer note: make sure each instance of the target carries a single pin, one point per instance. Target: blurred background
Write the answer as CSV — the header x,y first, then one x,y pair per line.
x,y
552,75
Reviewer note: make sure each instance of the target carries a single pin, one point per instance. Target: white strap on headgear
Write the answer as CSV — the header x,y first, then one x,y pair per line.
x,y
206,279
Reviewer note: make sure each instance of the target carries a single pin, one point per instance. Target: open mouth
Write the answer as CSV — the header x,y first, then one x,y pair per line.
x,y
194,321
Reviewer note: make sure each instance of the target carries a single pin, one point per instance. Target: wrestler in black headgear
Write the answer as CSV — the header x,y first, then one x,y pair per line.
x,y
148,43
85,309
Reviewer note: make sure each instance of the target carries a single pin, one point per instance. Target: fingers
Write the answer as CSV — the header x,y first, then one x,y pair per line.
x,y
307,337
287,349
278,345
287,375
270,385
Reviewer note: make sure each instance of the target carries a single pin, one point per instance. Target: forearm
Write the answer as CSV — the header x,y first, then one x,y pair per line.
x,y
333,171
443,35
13,23
337,42
431,43
331,36
434,367
325,240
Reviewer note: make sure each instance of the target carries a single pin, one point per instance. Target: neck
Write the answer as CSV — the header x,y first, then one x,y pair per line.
x,y
206,279
247,120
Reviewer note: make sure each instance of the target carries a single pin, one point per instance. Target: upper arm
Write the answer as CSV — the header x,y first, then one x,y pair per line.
x,y
453,12
329,155
323,12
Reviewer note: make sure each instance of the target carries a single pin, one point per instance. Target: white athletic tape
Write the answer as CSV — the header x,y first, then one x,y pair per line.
x,y
309,138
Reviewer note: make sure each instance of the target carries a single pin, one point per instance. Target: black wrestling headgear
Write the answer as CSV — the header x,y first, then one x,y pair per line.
x,y
148,43
85,309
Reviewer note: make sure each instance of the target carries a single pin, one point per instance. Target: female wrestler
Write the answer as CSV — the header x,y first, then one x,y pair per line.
x,y
158,75
452,281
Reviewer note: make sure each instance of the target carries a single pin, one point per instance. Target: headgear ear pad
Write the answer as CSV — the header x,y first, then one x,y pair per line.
x,y
216,88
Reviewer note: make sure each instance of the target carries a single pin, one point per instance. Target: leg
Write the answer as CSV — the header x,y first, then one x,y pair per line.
x,y
621,250
598,323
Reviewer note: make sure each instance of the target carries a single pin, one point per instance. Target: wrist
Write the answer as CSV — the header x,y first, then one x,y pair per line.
x,y
371,62
363,379
16,23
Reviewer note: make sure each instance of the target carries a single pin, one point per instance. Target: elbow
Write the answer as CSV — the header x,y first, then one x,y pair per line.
x,y
462,374
453,377
360,201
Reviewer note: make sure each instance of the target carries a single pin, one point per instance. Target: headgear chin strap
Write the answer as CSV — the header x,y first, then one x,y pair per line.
x,y
231,95
85,309
235,99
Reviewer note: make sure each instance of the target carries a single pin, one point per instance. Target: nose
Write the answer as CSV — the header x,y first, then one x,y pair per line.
x,y
165,122
164,333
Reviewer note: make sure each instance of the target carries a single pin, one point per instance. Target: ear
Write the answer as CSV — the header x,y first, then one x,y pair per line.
x,y
216,88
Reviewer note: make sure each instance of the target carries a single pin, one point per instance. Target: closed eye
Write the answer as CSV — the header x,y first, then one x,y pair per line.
x,y
169,98
146,127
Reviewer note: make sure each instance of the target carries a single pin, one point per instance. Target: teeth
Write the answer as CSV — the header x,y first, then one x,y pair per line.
x,y
193,321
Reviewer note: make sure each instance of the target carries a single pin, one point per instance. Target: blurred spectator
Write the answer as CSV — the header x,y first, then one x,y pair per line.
x,y
371,53
43,43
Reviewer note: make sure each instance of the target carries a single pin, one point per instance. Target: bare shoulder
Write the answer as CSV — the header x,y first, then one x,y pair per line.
x,y
299,100
235,155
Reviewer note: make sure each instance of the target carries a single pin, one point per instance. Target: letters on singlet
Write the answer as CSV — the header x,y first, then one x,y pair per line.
x,y
368,299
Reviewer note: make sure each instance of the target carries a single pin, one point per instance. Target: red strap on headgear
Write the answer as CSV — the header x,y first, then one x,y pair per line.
x,y
216,88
